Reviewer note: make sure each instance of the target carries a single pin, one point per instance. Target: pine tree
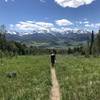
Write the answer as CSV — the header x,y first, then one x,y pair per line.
x,y
2,31
91,42
98,43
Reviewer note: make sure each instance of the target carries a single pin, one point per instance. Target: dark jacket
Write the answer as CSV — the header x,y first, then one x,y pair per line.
x,y
53,58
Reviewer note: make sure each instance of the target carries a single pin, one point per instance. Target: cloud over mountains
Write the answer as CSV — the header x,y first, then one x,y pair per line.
x,y
61,26
42,26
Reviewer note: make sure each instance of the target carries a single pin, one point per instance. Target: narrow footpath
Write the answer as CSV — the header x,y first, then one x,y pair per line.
x,y
55,90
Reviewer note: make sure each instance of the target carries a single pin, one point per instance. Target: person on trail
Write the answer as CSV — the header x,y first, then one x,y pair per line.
x,y
53,57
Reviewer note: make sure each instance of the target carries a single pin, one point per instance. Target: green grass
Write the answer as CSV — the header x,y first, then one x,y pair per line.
x,y
32,81
79,77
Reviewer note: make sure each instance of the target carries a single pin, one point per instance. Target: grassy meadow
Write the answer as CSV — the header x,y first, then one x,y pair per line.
x,y
79,77
32,82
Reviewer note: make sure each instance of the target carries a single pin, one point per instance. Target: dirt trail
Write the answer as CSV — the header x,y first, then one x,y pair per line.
x,y
55,90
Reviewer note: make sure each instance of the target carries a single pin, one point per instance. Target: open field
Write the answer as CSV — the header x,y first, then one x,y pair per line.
x,y
79,77
32,81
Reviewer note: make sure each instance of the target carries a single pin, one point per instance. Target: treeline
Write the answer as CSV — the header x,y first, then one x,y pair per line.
x,y
92,47
13,48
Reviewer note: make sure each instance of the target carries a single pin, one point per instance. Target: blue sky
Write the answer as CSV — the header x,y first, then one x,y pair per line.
x,y
50,15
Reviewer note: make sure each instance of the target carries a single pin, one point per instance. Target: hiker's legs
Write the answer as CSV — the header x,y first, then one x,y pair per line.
x,y
53,64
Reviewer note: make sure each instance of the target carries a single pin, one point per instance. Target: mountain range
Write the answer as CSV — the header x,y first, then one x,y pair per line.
x,y
50,39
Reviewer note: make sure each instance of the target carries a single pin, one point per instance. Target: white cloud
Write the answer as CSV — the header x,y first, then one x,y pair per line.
x,y
11,26
89,25
63,22
32,26
44,24
82,22
73,3
25,27
86,22
40,27
64,30
43,1
96,25
8,0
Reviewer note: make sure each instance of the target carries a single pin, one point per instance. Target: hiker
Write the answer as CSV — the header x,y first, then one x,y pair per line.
x,y
53,57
